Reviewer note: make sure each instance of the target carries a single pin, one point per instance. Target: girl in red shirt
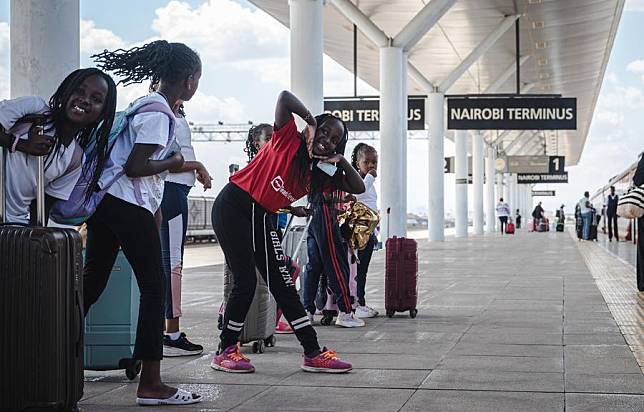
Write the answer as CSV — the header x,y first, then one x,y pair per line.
x,y
285,170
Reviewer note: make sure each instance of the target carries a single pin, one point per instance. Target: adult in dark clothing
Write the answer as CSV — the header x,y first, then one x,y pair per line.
x,y
611,214
638,180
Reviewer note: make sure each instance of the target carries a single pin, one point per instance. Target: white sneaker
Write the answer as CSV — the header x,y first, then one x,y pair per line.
x,y
347,320
311,317
364,312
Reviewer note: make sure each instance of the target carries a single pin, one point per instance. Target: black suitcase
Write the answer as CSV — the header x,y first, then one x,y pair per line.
x,y
41,307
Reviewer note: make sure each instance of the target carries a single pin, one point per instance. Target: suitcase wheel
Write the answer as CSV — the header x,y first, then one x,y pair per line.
x,y
270,341
413,313
133,369
327,318
390,313
258,346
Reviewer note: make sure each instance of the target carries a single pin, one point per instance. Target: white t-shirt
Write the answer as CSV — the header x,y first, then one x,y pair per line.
x,y
184,139
22,169
583,209
370,196
143,128
503,209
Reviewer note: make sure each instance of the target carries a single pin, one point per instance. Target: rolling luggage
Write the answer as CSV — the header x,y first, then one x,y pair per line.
x,y
401,276
110,324
531,225
579,227
592,234
41,301
541,226
509,228
560,227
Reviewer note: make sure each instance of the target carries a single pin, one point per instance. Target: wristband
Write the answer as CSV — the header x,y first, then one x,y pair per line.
x,y
14,144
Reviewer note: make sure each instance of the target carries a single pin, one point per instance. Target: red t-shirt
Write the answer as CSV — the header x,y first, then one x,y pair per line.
x,y
268,178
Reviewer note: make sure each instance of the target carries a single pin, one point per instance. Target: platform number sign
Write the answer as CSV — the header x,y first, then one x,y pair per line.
x,y
557,164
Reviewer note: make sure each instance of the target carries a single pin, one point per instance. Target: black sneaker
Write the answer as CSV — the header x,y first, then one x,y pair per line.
x,y
180,347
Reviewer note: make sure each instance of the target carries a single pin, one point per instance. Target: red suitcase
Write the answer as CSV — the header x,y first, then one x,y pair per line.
x,y
509,228
401,276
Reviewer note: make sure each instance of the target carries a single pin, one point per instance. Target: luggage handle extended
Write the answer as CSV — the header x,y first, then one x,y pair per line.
x,y
40,187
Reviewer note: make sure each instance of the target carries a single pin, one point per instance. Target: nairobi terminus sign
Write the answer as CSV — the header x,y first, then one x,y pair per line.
x,y
511,113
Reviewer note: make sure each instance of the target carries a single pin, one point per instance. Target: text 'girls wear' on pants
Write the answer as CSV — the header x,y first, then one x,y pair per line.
x,y
327,253
364,258
249,240
117,223
174,212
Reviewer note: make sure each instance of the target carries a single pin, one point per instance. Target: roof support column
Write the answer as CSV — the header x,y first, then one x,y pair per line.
x,y
307,50
436,114
499,192
461,166
392,158
490,176
405,114
478,146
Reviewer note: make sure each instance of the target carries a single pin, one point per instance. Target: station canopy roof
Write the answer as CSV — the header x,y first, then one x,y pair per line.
x,y
568,41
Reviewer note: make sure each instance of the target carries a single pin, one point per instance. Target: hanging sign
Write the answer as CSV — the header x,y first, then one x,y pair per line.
x,y
536,164
362,115
543,193
511,113
526,178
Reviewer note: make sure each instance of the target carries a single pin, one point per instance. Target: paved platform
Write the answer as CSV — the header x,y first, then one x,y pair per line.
x,y
512,323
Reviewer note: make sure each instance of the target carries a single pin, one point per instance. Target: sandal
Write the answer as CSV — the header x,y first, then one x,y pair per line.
x,y
181,397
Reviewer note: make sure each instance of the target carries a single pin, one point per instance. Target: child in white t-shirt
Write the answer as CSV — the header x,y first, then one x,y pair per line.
x,y
125,218
81,109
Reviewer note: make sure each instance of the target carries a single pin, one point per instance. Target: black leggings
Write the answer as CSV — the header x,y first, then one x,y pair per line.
x,y
115,224
504,222
640,254
249,240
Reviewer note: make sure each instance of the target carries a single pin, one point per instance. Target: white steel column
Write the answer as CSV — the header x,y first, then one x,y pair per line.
x,y
460,167
392,148
307,49
403,164
510,186
436,113
490,177
477,180
45,45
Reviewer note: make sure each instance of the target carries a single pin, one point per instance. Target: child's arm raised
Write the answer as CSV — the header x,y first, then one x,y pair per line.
x,y
286,105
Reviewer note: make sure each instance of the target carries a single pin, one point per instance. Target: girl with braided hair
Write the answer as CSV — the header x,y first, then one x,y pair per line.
x,y
365,160
80,112
125,218
258,136
284,170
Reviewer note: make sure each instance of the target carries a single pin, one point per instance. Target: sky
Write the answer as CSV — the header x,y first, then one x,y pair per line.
x,y
245,55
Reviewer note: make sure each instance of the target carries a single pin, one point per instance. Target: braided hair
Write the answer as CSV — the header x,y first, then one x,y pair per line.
x,y
305,165
253,133
99,131
157,60
361,149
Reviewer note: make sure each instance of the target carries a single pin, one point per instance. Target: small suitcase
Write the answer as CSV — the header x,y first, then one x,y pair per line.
x,y
401,276
531,225
41,302
259,326
509,228
110,324
560,227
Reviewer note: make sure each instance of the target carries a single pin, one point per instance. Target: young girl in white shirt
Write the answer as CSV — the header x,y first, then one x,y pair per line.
x,y
81,110
125,218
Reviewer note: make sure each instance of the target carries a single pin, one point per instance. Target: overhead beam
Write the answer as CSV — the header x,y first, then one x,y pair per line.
x,y
514,142
422,22
526,143
418,77
507,73
480,50
362,21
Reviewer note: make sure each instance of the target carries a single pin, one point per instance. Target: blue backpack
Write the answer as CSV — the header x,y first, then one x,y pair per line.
x,y
77,209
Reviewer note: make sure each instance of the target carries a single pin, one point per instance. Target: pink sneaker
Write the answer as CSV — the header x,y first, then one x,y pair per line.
x,y
283,328
326,362
231,360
